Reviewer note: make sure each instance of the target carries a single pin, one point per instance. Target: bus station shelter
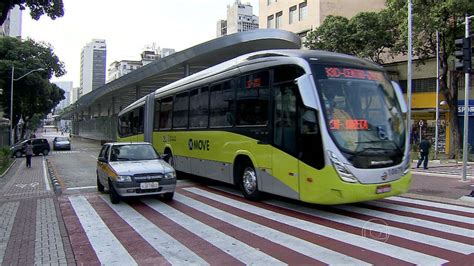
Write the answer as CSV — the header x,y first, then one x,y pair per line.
x,y
94,115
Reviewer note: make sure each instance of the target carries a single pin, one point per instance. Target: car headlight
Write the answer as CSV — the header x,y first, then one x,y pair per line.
x,y
170,175
344,173
124,178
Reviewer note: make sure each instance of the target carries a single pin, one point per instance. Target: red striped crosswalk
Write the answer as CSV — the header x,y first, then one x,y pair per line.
x,y
210,226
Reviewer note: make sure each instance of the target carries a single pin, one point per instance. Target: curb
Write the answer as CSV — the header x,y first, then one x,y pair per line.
x,y
460,202
54,180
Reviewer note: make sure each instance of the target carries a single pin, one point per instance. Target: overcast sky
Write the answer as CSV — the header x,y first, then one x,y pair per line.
x,y
127,26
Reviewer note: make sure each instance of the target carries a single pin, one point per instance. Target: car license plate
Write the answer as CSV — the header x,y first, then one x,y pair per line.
x,y
149,185
383,189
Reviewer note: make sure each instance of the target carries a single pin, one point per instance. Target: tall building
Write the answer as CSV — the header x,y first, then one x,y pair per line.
x,y
93,66
74,95
66,86
12,25
301,16
240,18
123,67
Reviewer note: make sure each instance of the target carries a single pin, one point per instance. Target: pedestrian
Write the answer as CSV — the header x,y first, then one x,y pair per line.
x,y
424,151
29,153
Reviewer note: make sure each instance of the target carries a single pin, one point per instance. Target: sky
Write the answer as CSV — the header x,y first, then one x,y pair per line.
x,y
127,26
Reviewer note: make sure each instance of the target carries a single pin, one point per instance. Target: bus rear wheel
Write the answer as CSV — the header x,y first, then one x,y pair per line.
x,y
249,183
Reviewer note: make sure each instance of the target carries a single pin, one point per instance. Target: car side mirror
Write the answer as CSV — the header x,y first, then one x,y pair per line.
x,y
102,159
166,156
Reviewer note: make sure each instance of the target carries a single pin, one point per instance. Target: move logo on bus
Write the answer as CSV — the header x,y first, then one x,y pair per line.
x,y
197,144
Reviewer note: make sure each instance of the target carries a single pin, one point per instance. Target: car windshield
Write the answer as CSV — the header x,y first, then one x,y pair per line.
x,y
361,109
134,152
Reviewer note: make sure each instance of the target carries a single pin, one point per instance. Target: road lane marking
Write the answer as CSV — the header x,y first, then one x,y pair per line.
x,y
79,188
433,204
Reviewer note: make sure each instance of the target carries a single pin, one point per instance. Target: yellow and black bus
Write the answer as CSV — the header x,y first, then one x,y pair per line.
x,y
315,126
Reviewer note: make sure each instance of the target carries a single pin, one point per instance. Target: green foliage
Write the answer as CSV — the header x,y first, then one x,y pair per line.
x,y
367,35
32,94
5,159
430,16
52,8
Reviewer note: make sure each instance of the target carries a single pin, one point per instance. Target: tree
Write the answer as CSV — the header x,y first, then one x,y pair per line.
x,y
33,94
428,17
368,35
52,8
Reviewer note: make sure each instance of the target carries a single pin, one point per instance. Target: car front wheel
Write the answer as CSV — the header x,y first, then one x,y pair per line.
x,y
45,152
100,187
114,196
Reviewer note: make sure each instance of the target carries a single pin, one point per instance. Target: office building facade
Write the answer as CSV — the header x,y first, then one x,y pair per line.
x,y
93,66
240,18
301,16
12,25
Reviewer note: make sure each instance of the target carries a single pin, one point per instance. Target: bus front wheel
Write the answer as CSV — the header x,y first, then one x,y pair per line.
x,y
249,183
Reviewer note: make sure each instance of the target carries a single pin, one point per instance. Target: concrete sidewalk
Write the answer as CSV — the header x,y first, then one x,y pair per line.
x,y
442,182
32,231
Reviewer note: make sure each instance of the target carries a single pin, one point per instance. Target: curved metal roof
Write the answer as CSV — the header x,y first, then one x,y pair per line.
x,y
173,67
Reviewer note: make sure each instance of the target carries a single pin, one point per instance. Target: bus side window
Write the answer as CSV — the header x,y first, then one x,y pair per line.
x,y
284,135
311,149
156,117
222,105
253,99
199,108
166,112
180,110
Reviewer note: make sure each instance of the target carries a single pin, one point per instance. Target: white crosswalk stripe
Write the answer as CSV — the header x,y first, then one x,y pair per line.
x,y
172,250
383,248
107,247
216,218
238,249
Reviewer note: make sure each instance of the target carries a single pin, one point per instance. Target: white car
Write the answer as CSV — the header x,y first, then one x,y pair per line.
x,y
134,169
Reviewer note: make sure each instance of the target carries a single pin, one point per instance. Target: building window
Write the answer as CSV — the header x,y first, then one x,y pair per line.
x,y
271,22
303,11
420,85
292,14
279,20
269,2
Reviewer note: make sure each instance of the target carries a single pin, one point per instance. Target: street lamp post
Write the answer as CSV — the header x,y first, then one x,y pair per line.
x,y
11,97
466,110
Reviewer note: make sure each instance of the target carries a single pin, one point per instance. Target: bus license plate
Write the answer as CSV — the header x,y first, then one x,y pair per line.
x,y
383,189
149,185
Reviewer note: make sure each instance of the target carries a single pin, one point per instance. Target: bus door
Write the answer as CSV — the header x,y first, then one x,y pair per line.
x,y
285,136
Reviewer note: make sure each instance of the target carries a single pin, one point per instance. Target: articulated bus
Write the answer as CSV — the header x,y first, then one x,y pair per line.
x,y
314,126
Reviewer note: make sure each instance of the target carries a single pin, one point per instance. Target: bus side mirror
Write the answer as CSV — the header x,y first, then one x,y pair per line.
x,y
307,91
400,98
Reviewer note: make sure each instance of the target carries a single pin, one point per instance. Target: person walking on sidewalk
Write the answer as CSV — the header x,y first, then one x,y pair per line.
x,y
424,151
29,153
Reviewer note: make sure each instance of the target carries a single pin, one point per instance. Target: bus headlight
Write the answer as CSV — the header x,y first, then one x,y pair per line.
x,y
341,169
170,175
124,178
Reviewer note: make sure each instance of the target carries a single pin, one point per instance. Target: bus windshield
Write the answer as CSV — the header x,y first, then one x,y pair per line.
x,y
361,110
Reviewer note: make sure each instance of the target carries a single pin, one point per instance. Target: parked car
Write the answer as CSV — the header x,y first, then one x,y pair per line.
x,y
61,143
39,146
134,169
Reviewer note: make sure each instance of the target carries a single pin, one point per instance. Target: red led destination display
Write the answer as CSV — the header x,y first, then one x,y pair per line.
x,y
352,73
350,124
